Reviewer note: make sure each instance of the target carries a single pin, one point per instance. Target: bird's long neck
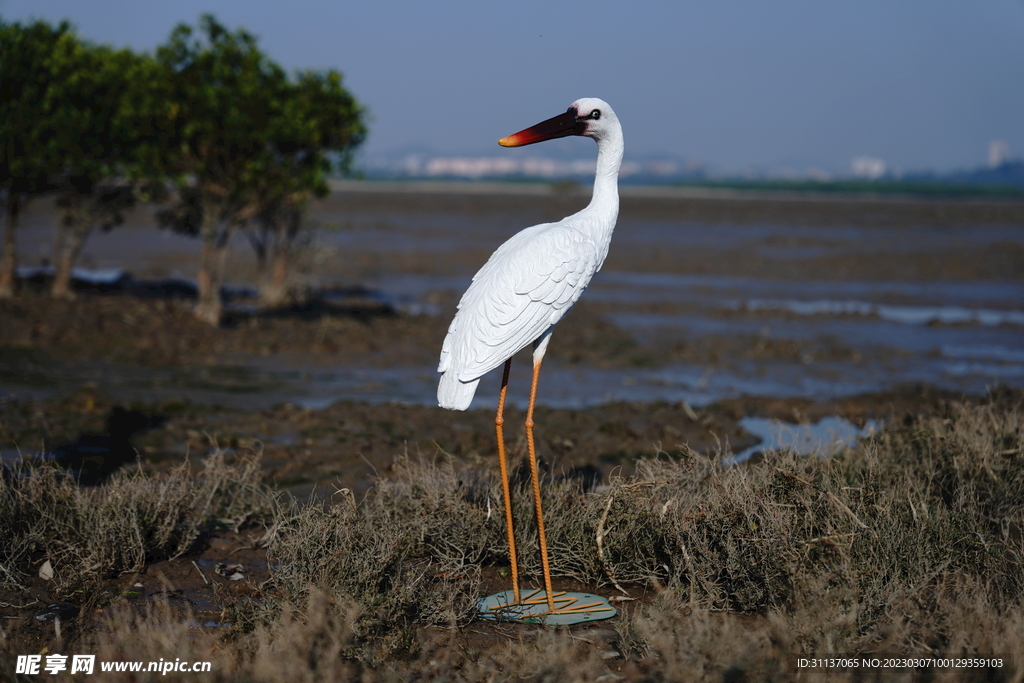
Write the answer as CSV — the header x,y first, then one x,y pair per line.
x,y
604,205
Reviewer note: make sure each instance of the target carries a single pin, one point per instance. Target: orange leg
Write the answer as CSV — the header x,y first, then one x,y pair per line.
x,y
535,476
499,422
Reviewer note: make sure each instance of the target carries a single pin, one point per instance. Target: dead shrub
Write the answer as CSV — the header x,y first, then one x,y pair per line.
x,y
88,533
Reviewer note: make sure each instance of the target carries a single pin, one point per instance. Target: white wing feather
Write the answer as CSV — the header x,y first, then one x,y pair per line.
x,y
527,285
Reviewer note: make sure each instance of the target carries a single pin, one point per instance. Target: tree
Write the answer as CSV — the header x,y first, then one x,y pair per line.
x,y
226,96
108,134
30,116
320,127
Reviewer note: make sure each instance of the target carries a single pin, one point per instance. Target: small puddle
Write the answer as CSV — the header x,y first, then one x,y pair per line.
x,y
824,438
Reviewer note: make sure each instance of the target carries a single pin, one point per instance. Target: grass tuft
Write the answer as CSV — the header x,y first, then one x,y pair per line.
x,y
92,533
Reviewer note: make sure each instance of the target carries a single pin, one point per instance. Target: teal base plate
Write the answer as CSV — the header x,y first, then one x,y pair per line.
x,y
570,608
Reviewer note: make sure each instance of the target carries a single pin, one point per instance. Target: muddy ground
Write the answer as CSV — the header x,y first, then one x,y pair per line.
x,y
343,445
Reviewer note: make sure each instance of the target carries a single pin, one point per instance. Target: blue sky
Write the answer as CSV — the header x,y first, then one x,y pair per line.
x,y
735,84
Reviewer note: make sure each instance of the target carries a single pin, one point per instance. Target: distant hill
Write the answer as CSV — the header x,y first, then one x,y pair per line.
x,y
1008,174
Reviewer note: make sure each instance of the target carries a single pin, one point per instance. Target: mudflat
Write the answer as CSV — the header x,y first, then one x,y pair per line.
x,y
694,323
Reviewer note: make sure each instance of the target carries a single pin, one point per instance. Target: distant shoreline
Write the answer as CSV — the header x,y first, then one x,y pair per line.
x,y
569,187
690,203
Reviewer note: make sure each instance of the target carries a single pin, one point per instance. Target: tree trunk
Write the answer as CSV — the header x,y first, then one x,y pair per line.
x,y
9,257
208,304
71,234
64,261
210,308
275,289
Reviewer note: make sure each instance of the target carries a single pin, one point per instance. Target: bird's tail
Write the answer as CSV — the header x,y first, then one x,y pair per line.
x,y
453,394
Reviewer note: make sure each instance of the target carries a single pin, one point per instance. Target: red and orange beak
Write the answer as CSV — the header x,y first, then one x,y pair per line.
x,y
556,127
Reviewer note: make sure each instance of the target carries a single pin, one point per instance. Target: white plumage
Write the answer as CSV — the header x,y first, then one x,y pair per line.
x,y
534,278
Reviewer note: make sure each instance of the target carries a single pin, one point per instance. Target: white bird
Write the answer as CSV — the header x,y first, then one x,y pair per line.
x,y
528,285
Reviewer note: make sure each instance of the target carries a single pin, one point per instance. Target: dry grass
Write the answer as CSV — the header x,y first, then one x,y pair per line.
x,y
90,533
910,544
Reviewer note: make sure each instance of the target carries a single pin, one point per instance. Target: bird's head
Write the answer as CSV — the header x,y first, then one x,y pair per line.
x,y
589,116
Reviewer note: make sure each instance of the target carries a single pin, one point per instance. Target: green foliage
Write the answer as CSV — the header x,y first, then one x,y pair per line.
x,y
318,129
326,124
28,112
247,141
225,94
75,117
315,137
239,138
31,107
242,127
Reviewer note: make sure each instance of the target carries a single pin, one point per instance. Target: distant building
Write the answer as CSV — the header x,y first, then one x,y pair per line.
x,y
871,168
998,153
475,168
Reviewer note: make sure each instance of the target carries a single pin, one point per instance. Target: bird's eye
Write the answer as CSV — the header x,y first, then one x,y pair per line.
x,y
596,114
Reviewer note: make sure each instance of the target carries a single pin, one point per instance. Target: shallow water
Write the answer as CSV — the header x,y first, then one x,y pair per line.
x,y
257,383
824,438
905,304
